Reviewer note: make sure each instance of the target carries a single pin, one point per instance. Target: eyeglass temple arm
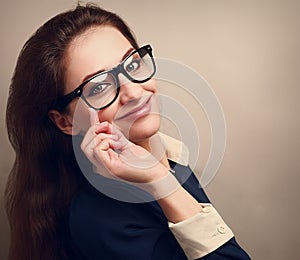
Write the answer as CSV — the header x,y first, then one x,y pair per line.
x,y
65,100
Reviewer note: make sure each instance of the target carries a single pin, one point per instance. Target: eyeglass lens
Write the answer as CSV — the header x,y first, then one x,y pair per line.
x,y
101,90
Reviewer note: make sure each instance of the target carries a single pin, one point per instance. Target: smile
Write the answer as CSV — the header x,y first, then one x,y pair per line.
x,y
141,109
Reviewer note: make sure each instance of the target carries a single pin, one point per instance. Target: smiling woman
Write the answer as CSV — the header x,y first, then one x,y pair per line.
x,y
86,77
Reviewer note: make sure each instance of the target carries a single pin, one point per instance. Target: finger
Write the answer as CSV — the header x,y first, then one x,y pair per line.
x,y
88,137
108,128
99,126
94,118
92,132
98,145
124,142
95,122
103,127
116,131
96,141
97,151
101,152
109,160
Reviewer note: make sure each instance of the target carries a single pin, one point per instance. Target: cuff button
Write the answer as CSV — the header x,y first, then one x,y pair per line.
x,y
221,229
206,209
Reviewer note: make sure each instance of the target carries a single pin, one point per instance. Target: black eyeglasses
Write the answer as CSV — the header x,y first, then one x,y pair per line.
x,y
101,90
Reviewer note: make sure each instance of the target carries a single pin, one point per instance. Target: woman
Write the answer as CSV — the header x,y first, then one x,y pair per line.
x,y
82,74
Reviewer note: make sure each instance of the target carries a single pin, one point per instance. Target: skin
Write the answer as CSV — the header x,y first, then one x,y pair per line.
x,y
103,48
89,54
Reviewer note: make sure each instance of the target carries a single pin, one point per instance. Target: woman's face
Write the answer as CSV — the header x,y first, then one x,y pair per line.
x,y
135,112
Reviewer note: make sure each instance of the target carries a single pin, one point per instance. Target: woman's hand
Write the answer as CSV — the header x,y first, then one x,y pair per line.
x,y
114,156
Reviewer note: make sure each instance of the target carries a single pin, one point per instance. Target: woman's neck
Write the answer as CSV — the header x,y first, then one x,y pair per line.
x,y
156,147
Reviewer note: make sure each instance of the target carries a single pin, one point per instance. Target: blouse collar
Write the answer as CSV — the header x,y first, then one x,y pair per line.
x,y
176,150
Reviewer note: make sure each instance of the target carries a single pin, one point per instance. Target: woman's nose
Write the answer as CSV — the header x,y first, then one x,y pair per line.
x,y
130,91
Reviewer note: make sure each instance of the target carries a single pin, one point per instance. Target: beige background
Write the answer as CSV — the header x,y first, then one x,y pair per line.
x,y
249,53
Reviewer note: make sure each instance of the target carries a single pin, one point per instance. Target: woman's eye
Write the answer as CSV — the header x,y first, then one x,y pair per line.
x,y
133,66
98,88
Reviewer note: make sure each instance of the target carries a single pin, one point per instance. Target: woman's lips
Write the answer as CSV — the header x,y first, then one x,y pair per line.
x,y
141,109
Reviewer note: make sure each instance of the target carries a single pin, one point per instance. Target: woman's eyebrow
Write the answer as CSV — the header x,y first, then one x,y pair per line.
x,y
127,53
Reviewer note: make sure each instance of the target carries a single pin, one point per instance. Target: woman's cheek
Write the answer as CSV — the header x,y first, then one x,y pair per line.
x,y
108,114
150,85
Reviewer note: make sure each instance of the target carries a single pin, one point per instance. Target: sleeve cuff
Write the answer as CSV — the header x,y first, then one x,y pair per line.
x,y
202,233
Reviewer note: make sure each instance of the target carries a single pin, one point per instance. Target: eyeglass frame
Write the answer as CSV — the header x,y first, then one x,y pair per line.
x,y
119,69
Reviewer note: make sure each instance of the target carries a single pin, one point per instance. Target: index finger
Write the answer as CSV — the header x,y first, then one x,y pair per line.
x,y
96,125
94,118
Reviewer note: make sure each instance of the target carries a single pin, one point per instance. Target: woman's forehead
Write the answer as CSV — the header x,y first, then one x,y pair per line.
x,y
99,48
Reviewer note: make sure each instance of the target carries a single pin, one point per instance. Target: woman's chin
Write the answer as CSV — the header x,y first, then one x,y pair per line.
x,y
143,128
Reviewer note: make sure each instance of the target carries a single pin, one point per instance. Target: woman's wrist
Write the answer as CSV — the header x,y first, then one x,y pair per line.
x,y
179,206
163,185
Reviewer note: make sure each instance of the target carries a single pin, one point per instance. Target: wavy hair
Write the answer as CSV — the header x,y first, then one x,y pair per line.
x,y
45,173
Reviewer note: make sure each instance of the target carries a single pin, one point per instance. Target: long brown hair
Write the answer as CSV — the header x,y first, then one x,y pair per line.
x,y
45,174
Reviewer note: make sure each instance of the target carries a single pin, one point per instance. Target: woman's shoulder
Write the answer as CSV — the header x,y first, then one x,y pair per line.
x,y
96,219
93,208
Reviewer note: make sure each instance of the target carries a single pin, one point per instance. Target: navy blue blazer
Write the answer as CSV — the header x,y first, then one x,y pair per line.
x,y
106,228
